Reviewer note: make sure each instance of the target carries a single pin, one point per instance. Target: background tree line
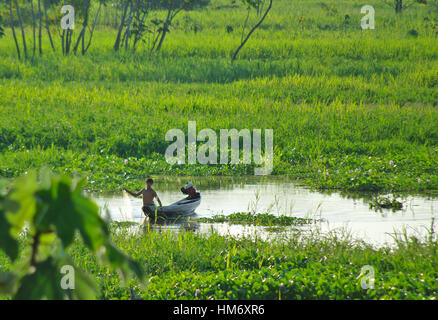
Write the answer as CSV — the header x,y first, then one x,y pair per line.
x,y
31,20
145,22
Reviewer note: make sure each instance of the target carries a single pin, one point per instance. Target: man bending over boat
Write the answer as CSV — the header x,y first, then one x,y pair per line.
x,y
148,197
190,190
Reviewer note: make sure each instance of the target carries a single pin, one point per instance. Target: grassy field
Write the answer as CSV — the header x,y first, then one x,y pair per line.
x,y
351,109
318,267
191,266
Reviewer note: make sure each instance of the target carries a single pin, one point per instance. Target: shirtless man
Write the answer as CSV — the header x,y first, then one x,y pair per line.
x,y
148,197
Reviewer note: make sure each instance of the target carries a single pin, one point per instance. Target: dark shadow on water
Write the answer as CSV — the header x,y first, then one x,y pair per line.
x,y
160,224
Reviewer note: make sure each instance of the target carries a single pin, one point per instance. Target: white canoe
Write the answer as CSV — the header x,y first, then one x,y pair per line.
x,y
184,207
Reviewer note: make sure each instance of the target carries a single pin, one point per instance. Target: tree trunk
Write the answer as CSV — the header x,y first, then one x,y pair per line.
x,y
166,26
128,27
163,35
252,30
62,42
47,25
122,23
13,29
137,37
81,36
68,37
398,6
92,29
33,28
40,26
20,21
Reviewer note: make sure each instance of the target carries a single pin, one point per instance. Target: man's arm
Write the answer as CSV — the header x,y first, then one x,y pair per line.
x,y
158,199
132,193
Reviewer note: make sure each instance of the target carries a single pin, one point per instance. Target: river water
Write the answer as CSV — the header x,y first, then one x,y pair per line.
x,y
277,195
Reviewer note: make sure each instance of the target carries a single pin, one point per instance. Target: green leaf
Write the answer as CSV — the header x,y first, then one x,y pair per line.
x,y
23,194
7,282
62,213
123,263
69,211
7,243
44,283
55,209
86,287
93,229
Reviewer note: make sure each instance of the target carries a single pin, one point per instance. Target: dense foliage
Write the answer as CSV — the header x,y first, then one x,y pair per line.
x,y
194,266
47,217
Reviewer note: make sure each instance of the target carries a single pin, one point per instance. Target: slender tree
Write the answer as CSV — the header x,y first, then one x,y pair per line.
x,y
40,27
252,4
133,23
11,19
20,22
85,24
46,3
67,34
128,25
400,5
139,25
81,38
2,31
96,18
171,13
82,12
122,24
172,7
33,28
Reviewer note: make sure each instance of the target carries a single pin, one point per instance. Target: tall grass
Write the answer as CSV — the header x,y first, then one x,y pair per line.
x,y
192,266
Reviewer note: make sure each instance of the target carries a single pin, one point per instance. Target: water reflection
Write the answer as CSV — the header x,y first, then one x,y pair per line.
x,y
279,196
160,224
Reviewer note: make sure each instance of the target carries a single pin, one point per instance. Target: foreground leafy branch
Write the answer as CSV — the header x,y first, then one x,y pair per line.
x,y
49,214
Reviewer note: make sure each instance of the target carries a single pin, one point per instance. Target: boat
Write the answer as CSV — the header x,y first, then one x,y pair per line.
x,y
182,208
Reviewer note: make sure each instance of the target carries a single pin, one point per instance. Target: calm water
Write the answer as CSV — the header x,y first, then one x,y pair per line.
x,y
279,196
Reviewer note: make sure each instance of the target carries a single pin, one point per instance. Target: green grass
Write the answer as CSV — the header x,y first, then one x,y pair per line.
x,y
380,202
185,265
259,219
351,109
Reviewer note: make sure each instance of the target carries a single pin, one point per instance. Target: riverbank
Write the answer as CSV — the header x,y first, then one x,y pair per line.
x,y
184,265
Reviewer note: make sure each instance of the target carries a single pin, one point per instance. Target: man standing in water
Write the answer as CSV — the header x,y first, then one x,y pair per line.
x,y
148,197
